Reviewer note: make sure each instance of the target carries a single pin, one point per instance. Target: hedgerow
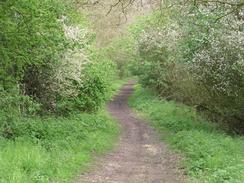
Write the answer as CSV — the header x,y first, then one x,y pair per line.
x,y
50,75
209,155
46,54
193,52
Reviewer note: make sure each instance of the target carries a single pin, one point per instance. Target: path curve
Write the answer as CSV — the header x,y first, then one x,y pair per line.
x,y
140,157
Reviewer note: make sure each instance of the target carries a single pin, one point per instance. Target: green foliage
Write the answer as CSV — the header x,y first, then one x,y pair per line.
x,y
51,148
193,53
96,85
54,149
120,51
36,36
10,99
48,58
210,155
30,35
49,73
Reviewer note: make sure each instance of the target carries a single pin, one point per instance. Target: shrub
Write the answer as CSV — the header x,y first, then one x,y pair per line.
x,y
36,36
193,54
96,84
209,154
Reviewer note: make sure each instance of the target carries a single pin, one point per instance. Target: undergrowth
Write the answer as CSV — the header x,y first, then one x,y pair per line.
x,y
36,149
210,154
54,149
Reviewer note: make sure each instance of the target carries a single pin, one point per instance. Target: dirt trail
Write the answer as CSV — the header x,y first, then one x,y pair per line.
x,y
140,156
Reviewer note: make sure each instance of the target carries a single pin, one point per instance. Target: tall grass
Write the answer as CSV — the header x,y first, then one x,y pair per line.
x,y
210,154
54,149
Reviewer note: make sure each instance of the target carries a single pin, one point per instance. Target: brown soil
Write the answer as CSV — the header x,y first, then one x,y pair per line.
x,y
140,156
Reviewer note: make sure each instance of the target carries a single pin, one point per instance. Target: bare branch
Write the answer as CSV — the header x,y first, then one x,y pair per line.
x,y
121,2
123,11
113,5
228,13
221,2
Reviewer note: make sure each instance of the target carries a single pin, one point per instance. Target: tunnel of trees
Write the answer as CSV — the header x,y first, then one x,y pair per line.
x,y
60,59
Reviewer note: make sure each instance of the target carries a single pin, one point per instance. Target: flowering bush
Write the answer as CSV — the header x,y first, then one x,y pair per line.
x,y
45,50
195,55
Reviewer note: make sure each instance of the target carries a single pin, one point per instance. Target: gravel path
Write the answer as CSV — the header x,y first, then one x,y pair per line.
x,y
140,156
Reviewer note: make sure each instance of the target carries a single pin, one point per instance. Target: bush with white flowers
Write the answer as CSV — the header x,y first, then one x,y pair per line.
x,y
195,55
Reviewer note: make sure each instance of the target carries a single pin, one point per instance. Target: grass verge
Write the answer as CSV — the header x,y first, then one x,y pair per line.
x,y
55,149
210,155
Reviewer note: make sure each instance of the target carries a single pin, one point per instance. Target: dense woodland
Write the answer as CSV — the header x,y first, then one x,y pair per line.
x,y
57,72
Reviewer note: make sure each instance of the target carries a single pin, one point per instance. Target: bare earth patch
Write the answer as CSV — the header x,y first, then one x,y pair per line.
x,y
140,156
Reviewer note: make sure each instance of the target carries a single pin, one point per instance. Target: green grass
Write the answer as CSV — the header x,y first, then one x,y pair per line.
x,y
51,148
209,154
55,149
